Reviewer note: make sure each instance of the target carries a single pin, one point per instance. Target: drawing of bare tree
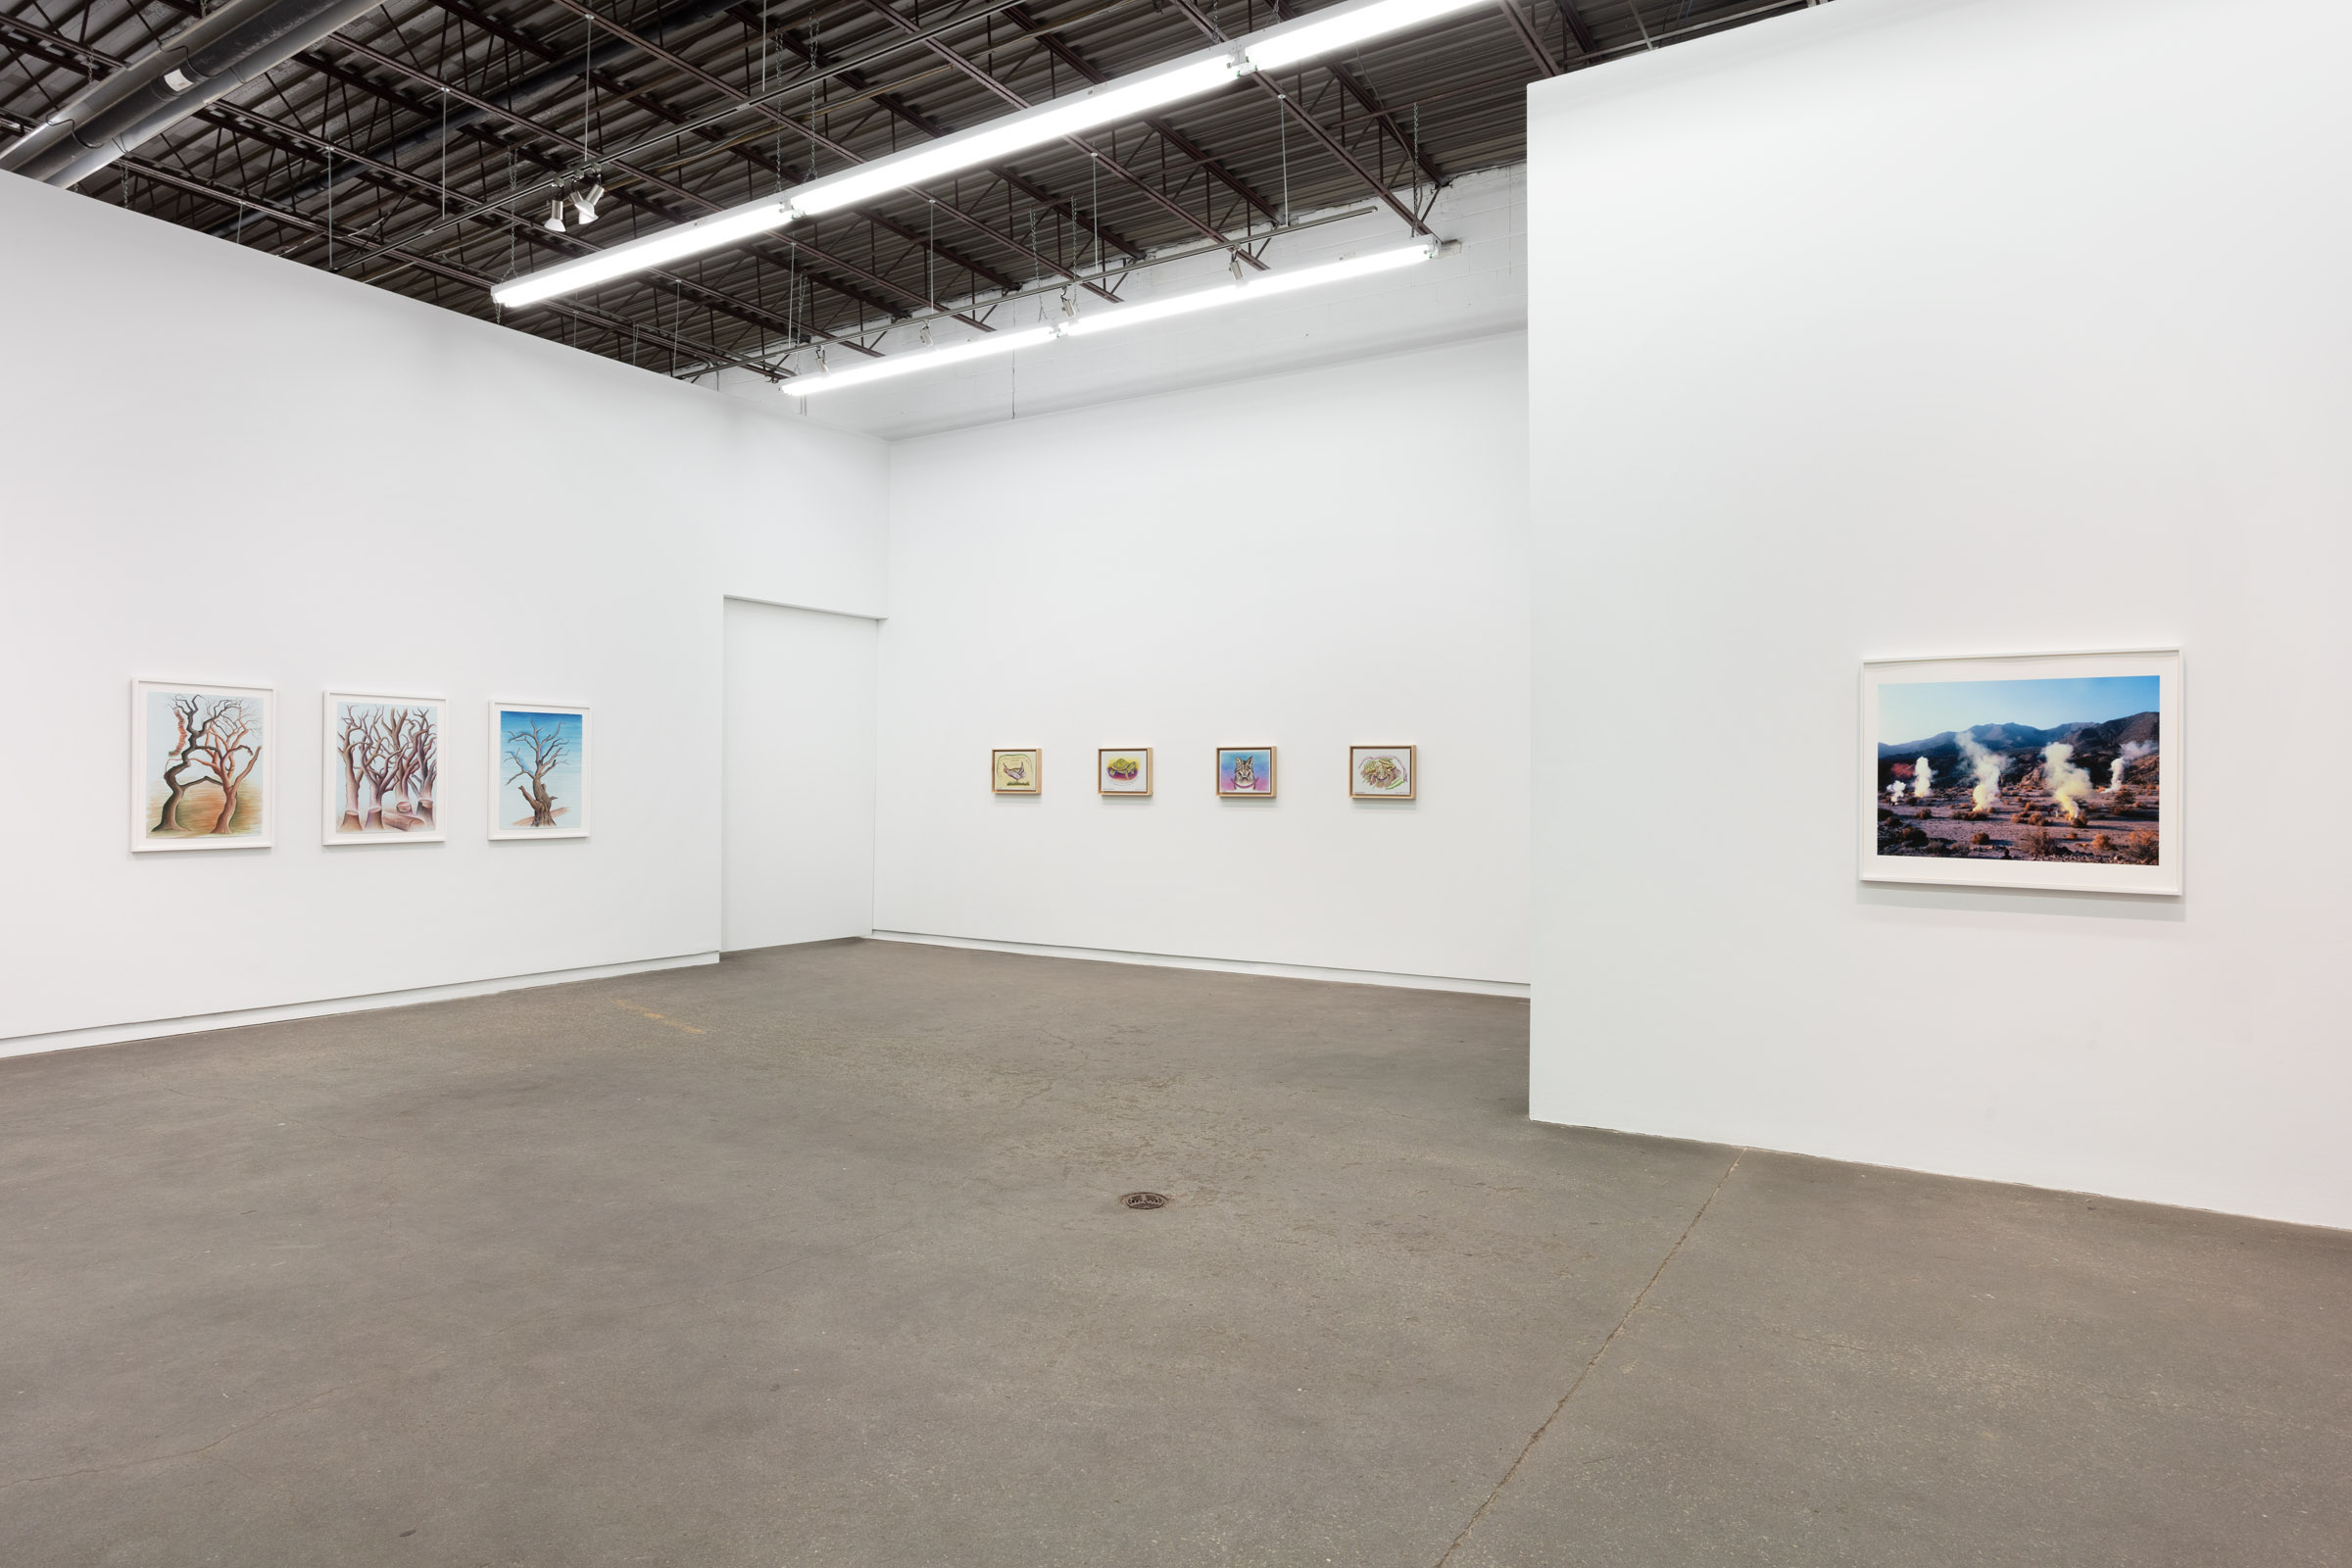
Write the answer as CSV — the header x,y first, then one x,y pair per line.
x,y
387,741
424,761
226,748
192,719
352,746
532,754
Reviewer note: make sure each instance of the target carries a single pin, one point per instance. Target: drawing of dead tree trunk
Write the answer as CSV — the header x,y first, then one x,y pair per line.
x,y
229,750
352,745
532,754
192,720
426,761
386,735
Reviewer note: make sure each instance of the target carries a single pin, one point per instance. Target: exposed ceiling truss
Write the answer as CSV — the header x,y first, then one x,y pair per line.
x,y
420,148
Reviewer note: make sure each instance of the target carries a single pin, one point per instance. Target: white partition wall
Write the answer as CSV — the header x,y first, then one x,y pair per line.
x,y
1944,327
224,466
799,863
1307,562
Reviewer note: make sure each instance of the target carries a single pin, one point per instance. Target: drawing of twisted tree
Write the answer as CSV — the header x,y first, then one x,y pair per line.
x,y
212,741
532,754
192,719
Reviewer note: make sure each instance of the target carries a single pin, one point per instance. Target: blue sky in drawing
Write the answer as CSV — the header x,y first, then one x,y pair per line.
x,y
564,783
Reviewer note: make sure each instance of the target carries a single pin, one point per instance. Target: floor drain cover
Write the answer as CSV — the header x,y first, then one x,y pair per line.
x,y
1144,1200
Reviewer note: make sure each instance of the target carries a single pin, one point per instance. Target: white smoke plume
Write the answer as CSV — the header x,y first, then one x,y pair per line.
x,y
1923,779
2069,785
1986,766
1894,790
2132,752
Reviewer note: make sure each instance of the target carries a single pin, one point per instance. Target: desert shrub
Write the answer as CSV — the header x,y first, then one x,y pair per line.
x,y
2140,848
2038,845
2098,844
1913,835
1980,838
2124,799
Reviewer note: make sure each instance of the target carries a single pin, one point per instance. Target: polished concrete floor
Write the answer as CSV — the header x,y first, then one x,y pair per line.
x,y
814,1258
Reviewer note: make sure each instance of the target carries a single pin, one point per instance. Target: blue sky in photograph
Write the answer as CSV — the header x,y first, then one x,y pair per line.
x,y
1921,709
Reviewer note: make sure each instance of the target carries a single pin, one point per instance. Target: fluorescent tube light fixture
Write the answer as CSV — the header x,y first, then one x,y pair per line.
x,y
1109,103
1263,286
1115,101
638,255
979,348
1331,31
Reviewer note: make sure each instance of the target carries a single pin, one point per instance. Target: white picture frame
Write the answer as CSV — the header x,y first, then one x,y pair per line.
x,y
511,810
402,749
170,771
2031,790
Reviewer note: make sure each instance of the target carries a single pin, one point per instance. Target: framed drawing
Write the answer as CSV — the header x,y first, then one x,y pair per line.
x,y
1383,773
1123,770
538,770
201,756
384,764
1245,772
1020,771
2042,771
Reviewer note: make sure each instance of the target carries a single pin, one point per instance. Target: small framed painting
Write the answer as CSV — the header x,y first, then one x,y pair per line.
x,y
1018,771
2040,770
1382,772
201,756
1123,770
538,770
1245,772
383,767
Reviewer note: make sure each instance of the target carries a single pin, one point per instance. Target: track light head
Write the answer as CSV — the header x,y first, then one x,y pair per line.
x,y
584,200
555,217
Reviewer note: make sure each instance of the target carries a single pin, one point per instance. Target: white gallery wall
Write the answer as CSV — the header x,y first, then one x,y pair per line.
x,y
799,864
1307,560
224,466
1932,326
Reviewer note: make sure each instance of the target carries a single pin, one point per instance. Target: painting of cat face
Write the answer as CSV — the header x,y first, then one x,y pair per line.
x,y
1245,772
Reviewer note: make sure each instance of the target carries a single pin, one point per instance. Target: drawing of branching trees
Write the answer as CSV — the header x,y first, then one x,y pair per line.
x,y
390,755
531,755
214,740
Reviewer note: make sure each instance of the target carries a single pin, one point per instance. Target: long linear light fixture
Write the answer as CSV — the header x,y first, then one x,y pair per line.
x,y
1115,101
1263,286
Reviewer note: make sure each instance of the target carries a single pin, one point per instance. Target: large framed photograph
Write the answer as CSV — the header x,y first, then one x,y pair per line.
x,y
201,757
538,770
2028,770
383,768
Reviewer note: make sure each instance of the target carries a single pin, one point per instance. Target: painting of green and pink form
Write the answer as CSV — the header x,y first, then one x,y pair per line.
x,y
201,757
539,771
383,768
2051,770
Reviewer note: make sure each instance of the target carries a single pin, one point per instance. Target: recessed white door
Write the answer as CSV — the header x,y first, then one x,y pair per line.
x,y
799,805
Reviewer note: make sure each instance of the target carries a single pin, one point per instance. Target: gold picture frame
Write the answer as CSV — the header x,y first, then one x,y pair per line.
x,y
1016,770
1123,772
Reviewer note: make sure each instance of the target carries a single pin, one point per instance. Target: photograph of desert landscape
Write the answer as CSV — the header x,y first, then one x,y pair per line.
x,y
2048,771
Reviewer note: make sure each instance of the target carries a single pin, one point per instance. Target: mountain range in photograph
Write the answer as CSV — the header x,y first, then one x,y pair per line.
x,y
2085,792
